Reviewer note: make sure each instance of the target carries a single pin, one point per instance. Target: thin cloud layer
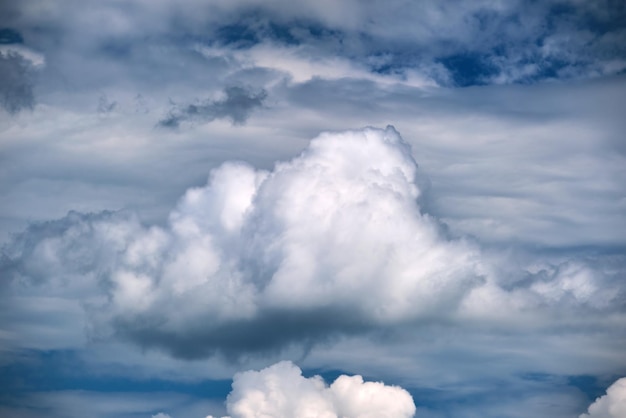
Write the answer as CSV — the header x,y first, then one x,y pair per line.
x,y
280,391
611,405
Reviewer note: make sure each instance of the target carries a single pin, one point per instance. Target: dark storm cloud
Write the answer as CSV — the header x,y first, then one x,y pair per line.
x,y
237,105
16,82
271,333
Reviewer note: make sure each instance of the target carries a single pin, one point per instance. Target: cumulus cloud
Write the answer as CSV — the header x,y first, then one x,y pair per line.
x,y
236,105
611,405
280,391
331,242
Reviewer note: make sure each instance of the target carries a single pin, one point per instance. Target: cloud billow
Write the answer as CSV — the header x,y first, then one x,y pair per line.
x,y
237,105
332,242
281,391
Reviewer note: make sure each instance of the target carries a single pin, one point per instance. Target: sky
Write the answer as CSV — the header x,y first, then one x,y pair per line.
x,y
306,209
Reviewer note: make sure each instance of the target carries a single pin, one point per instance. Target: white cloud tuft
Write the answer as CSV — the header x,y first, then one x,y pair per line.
x,y
611,405
280,391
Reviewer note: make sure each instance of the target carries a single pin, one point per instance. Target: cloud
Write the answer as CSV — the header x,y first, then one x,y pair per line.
x,y
332,242
280,391
17,66
237,105
611,405
105,105
16,84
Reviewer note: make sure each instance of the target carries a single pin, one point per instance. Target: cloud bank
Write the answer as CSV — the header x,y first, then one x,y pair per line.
x,y
611,405
280,391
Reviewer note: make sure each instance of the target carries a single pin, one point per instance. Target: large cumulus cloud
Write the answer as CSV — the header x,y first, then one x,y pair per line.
x,y
281,391
331,242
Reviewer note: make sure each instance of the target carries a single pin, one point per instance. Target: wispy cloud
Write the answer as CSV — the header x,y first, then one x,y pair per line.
x,y
237,105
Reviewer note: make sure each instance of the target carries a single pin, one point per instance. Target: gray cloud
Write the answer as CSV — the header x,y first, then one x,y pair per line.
x,y
16,82
484,42
105,105
237,105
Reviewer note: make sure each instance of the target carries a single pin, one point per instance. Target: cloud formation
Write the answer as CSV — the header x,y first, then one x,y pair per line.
x,y
280,391
332,242
611,405
529,172
237,105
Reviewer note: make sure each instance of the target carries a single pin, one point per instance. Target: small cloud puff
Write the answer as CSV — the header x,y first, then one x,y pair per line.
x,y
280,391
611,405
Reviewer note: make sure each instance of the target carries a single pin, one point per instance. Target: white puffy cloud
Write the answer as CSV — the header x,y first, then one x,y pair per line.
x,y
280,391
334,237
611,405
331,242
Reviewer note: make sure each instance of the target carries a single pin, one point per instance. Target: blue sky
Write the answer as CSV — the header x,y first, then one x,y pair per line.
x,y
199,198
